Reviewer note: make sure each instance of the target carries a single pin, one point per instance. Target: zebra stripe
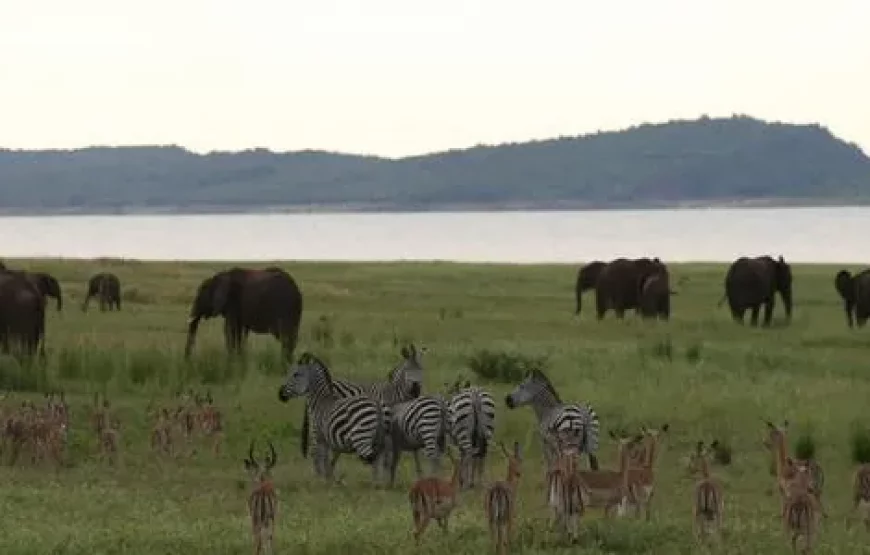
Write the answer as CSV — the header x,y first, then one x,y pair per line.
x,y
341,425
418,424
471,425
404,383
556,418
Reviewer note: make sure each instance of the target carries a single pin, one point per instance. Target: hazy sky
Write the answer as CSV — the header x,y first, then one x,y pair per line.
x,y
396,77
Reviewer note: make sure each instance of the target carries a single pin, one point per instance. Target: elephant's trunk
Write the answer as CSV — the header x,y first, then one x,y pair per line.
x,y
786,300
59,302
579,300
192,326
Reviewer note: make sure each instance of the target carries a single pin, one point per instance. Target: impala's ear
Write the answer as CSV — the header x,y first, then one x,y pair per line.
x,y
504,450
517,451
665,427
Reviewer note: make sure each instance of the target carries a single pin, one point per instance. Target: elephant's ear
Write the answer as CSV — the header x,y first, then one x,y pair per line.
x,y
224,289
845,286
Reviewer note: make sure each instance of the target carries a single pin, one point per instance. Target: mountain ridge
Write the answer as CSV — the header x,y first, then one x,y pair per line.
x,y
706,161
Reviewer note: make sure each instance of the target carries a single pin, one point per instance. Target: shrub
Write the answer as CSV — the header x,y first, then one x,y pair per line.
x,y
805,447
860,442
721,452
504,367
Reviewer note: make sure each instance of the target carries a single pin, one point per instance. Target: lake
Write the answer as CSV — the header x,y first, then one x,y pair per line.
x,y
829,234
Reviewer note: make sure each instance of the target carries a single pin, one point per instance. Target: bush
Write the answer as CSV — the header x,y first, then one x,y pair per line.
x,y
860,442
504,367
721,452
805,447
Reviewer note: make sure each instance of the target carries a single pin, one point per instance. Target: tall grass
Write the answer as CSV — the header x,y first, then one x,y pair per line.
x,y
701,373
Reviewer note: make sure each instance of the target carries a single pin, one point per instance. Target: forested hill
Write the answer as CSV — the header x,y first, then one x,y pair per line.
x,y
705,161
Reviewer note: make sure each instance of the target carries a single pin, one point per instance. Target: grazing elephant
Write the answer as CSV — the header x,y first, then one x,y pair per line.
x,y
262,301
107,288
855,291
654,297
619,282
44,282
753,282
587,277
22,315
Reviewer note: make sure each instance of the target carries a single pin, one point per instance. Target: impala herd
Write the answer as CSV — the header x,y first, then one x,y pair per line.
x,y
570,490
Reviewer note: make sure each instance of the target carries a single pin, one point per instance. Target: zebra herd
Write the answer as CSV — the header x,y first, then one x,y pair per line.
x,y
379,421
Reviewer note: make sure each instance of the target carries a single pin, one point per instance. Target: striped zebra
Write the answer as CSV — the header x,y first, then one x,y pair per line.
x,y
404,382
417,424
471,426
341,425
555,417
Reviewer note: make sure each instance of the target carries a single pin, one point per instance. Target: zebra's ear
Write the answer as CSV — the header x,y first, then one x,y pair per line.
x,y
504,450
467,384
406,352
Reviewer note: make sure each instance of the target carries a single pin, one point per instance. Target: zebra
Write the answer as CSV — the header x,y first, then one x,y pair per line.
x,y
341,425
579,420
471,426
420,423
405,382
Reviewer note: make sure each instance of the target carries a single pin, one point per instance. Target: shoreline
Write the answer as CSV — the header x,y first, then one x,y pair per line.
x,y
387,208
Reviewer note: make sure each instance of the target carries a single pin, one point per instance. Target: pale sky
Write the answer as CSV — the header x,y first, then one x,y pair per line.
x,y
398,77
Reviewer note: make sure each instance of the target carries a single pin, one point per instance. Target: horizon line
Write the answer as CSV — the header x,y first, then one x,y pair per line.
x,y
652,123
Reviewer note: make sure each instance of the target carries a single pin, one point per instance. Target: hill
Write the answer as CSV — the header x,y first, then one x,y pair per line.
x,y
706,161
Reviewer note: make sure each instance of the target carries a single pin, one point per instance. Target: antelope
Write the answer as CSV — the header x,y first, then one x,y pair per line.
x,y
861,493
799,509
565,490
433,497
210,422
106,428
262,502
708,504
610,488
500,501
161,434
786,467
641,473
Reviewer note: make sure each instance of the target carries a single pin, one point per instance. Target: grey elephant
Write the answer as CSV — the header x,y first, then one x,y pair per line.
x,y
44,282
22,315
618,285
107,288
751,283
250,300
587,277
655,295
855,292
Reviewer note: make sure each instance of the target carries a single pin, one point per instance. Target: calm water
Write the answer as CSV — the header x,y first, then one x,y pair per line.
x,y
800,234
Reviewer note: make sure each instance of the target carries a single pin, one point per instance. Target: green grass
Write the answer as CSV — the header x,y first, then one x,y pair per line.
x,y
707,377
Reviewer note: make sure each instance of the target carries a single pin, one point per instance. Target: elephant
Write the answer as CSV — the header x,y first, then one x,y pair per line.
x,y
22,315
855,292
753,282
587,277
107,288
654,296
619,283
44,282
262,301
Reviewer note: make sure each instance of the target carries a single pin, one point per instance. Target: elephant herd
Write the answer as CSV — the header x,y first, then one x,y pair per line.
x,y
266,301
23,297
751,284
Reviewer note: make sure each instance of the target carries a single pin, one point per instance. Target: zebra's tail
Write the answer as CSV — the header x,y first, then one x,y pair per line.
x,y
444,428
382,431
303,433
479,442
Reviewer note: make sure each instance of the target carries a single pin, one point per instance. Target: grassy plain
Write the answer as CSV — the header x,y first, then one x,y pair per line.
x,y
705,376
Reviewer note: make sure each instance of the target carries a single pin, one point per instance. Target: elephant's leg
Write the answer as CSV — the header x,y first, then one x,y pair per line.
x,y
753,318
600,306
620,312
768,310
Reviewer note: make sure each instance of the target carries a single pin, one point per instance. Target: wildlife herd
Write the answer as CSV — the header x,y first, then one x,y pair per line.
x,y
379,421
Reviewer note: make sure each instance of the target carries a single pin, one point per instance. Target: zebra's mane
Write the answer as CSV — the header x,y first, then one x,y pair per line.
x,y
538,376
308,359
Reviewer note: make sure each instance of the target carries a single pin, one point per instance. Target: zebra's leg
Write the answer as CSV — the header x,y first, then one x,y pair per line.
x,y
593,461
418,467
